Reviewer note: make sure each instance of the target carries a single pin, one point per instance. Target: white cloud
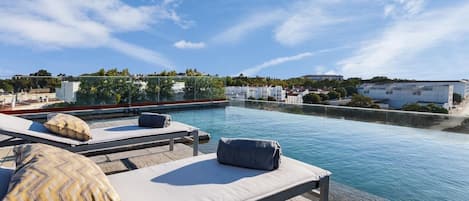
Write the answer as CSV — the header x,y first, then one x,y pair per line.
x,y
55,24
389,10
322,70
404,8
141,53
299,22
249,24
280,60
273,62
303,25
399,45
413,7
182,44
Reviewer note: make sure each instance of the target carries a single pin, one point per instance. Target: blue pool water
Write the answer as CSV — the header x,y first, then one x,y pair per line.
x,y
397,163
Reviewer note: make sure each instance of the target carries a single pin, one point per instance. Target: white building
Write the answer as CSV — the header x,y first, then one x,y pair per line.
x,y
178,87
67,91
460,87
397,95
296,97
245,92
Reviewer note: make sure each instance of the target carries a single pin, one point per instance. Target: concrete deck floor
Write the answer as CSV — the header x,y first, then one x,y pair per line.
x,y
129,160
153,154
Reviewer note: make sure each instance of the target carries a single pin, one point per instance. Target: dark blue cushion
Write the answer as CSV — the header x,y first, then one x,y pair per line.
x,y
249,153
5,176
154,120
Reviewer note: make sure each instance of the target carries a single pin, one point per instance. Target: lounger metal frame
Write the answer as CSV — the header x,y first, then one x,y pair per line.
x,y
322,193
106,145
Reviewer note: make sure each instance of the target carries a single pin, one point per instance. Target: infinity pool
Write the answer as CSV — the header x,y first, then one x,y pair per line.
x,y
397,163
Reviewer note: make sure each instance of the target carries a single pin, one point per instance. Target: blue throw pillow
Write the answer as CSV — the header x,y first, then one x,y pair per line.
x,y
154,120
249,153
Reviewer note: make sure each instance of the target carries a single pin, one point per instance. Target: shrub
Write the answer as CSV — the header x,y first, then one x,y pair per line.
x,y
311,98
333,95
424,108
362,101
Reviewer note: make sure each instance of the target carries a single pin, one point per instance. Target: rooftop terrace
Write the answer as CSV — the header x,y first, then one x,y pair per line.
x,y
140,156
203,93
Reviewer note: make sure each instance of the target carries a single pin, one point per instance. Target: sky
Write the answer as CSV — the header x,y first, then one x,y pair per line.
x,y
414,39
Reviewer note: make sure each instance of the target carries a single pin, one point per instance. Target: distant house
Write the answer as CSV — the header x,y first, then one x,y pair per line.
x,y
178,87
296,97
245,92
396,95
324,77
67,91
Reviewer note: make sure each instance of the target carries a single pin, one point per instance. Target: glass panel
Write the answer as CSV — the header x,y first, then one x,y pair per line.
x,y
28,92
89,92
106,91
443,122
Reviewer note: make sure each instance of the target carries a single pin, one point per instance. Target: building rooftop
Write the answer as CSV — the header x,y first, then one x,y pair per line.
x,y
322,76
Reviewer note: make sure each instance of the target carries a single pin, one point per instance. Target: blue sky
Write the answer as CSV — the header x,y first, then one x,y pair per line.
x,y
417,39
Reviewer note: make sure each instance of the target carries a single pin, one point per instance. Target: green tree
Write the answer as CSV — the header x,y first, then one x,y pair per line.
x,y
342,91
324,97
159,88
351,90
271,98
311,98
115,87
39,82
308,84
166,73
457,98
6,86
380,79
21,83
362,101
110,72
193,72
202,87
333,95
39,79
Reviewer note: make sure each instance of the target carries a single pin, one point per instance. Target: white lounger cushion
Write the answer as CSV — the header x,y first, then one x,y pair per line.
x,y
14,124
203,178
132,131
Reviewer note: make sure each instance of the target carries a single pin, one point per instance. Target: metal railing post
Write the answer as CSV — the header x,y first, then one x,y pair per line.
x,y
159,91
129,88
195,86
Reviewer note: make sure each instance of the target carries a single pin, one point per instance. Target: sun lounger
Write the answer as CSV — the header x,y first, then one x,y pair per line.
x,y
103,138
203,178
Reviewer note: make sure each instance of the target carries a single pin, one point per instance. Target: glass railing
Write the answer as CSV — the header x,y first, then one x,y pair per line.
x,y
433,121
45,93
32,94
